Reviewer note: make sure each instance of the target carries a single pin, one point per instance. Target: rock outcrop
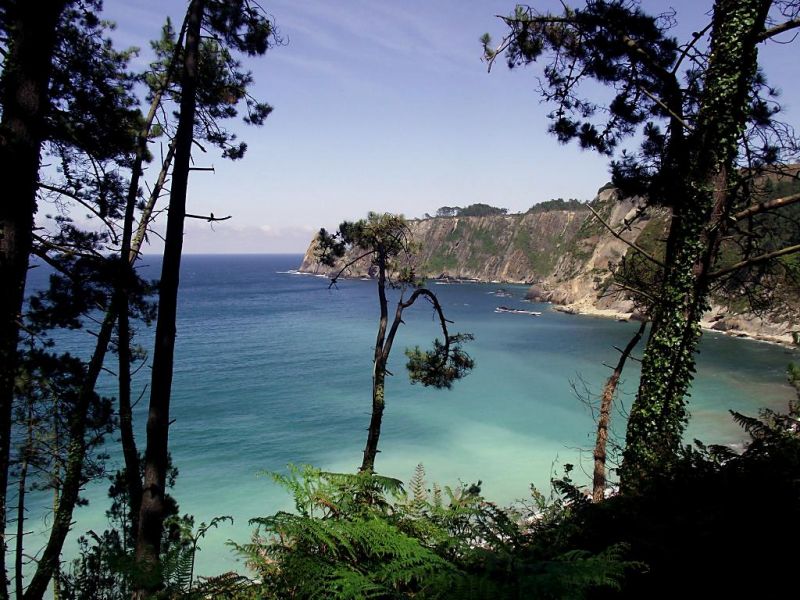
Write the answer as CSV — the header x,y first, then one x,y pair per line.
x,y
566,256
519,248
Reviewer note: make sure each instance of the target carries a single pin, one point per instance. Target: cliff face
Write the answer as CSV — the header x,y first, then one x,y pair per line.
x,y
566,255
581,276
555,247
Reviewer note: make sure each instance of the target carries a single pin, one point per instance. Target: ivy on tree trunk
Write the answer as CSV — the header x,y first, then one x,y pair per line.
x,y
658,416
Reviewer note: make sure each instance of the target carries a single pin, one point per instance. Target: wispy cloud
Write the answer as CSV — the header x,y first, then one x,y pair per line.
x,y
353,33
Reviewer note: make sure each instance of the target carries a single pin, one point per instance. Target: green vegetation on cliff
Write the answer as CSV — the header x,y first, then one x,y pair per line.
x,y
473,210
515,248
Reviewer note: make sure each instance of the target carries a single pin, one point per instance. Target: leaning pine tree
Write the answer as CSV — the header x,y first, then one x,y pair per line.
x,y
385,240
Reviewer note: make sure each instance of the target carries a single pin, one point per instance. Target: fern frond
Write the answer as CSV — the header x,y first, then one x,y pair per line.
x,y
575,572
754,427
225,586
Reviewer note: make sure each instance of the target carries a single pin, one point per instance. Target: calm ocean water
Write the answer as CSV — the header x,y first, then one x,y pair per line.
x,y
274,368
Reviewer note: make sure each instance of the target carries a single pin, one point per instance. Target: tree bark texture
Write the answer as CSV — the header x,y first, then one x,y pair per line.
x,y
604,418
26,76
658,416
151,515
378,374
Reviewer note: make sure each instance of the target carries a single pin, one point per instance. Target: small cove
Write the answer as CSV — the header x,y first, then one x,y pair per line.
x,y
274,368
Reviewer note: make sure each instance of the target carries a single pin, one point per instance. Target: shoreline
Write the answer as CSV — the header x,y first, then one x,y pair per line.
x,y
587,309
784,340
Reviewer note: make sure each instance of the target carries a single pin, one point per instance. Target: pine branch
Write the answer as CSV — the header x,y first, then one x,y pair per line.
x,y
335,278
211,218
761,207
754,261
778,29
696,36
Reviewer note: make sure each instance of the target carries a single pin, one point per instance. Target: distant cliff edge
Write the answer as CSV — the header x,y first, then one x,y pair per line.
x,y
565,255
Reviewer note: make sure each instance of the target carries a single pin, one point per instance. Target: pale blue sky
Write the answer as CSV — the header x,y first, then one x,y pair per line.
x,y
385,106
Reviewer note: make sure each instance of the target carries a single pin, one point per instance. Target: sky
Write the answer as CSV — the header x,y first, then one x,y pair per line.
x,y
386,106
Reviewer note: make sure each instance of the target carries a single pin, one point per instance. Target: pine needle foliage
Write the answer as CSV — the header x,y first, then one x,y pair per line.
x,y
442,365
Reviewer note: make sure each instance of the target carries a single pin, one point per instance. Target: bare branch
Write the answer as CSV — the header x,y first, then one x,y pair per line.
x,y
147,213
438,307
79,200
347,266
491,55
696,36
211,218
664,105
760,207
778,29
617,235
634,290
72,251
754,261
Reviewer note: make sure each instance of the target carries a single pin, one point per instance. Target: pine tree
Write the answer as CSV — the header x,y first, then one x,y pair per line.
x,y
709,133
210,86
29,32
385,240
79,112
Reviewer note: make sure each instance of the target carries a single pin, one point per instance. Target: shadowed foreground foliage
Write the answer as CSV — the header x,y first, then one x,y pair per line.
x,y
364,536
716,526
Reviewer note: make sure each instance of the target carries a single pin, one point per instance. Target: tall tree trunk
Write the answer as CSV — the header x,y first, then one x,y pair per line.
x,y
27,449
25,101
49,565
23,478
129,251
378,374
601,443
658,416
152,512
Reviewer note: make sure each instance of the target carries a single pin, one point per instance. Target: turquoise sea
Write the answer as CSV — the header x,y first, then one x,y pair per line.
x,y
274,367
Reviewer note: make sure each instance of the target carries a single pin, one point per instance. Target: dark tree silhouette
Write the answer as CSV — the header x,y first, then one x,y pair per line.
x,y
30,34
709,131
384,239
211,84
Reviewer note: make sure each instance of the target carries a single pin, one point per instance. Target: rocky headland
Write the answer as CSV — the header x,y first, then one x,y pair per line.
x,y
566,256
